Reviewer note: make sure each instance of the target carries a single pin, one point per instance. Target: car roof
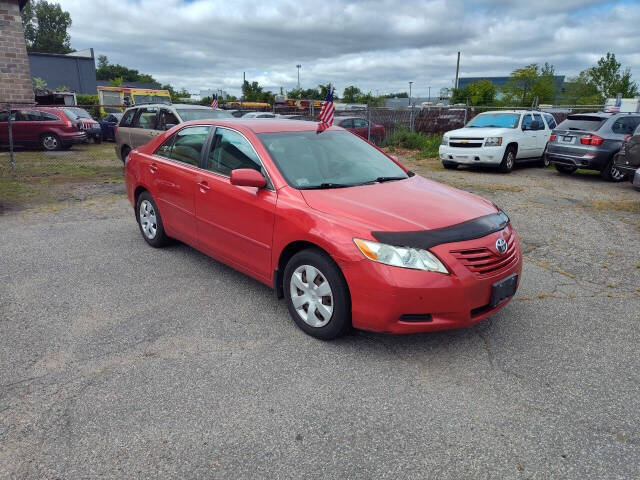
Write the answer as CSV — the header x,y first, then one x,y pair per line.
x,y
174,105
347,117
259,125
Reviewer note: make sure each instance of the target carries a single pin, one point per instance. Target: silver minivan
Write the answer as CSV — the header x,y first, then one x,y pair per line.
x,y
141,123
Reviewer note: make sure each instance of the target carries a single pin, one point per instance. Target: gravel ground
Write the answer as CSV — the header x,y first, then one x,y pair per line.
x,y
121,361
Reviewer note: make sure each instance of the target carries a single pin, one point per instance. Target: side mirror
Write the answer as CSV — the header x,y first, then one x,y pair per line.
x,y
247,177
169,126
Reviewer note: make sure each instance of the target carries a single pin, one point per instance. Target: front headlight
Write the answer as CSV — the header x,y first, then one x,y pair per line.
x,y
493,142
445,141
404,257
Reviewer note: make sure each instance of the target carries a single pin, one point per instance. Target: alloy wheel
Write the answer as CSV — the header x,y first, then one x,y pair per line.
x,y
148,220
510,160
50,142
616,174
311,296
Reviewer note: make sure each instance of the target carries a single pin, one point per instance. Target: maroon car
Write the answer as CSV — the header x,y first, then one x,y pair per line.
x,y
360,126
46,127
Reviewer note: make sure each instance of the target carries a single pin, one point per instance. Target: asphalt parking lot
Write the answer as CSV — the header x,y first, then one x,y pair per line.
x,y
121,361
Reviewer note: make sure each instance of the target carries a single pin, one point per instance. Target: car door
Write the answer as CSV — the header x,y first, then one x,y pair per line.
x,y
123,133
361,127
144,126
542,135
172,173
235,224
528,144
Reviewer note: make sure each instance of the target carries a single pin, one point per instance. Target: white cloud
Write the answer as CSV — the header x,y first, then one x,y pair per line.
x,y
378,45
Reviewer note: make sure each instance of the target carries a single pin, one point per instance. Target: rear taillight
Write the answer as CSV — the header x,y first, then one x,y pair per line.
x,y
552,138
591,140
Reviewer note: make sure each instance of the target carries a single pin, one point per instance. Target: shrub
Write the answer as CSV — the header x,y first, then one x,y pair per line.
x,y
426,144
90,103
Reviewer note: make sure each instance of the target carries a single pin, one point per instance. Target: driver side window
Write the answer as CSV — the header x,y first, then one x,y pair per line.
x,y
526,122
166,117
230,151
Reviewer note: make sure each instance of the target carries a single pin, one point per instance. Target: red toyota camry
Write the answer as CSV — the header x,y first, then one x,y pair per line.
x,y
347,235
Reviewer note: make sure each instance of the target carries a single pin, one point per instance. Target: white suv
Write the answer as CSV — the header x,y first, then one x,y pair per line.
x,y
498,139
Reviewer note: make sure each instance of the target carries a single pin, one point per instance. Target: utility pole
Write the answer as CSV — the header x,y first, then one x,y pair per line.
x,y
429,93
244,80
298,67
457,71
411,107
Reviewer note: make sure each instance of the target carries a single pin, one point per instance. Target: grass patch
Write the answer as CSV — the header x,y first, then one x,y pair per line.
x,y
44,177
427,145
632,206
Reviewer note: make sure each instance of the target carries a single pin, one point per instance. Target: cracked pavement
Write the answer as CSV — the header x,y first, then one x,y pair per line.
x,y
121,361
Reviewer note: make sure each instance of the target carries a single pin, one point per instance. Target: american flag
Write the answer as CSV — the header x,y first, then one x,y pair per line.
x,y
327,111
214,101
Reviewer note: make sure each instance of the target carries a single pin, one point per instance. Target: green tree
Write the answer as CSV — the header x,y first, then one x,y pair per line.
x,y
107,71
581,90
46,27
397,95
350,94
480,92
115,82
253,92
38,82
610,80
525,84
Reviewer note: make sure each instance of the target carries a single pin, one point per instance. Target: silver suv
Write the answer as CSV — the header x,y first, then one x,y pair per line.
x,y
141,123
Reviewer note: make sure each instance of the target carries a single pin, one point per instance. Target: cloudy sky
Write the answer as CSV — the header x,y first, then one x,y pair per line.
x,y
378,45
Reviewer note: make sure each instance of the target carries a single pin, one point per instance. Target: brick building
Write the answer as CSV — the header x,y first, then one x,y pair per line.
x,y
15,76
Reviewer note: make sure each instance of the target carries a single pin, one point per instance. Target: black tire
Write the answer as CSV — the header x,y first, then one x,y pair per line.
x,y
449,165
611,173
508,160
50,142
340,320
125,153
565,169
544,160
158,239
97,139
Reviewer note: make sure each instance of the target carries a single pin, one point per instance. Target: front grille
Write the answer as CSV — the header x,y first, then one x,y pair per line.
x,y
484,262
466,142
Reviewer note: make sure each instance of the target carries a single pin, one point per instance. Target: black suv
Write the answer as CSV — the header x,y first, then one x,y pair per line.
x,y
591,141
628,159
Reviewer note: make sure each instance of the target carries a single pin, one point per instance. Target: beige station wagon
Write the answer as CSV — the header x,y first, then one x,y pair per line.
x,y
141,123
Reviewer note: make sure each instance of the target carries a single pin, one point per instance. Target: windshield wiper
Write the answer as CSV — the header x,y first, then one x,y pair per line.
x,y
323,186
388,179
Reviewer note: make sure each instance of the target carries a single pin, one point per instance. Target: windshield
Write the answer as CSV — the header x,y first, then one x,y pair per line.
x,y
151,99
201,114
71,114
328,160
81,113
498,120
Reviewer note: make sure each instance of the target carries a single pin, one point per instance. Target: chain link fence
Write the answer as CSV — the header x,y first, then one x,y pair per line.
x,y
44,150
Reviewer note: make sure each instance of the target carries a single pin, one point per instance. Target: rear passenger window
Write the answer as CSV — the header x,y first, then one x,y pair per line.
x,y
230,151
4,116
49,117
538,118
147,118
550,121
127,118
186,145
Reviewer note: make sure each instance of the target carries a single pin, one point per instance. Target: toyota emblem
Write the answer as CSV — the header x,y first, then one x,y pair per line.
x,y
501,245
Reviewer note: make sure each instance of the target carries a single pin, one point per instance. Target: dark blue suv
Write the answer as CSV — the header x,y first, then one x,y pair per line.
x,y
590,141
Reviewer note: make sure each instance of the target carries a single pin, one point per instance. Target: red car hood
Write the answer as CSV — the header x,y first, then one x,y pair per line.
x,y
405,205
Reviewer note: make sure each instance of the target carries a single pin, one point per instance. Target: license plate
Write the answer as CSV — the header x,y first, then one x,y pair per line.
x,y
567,140
503,289
461,157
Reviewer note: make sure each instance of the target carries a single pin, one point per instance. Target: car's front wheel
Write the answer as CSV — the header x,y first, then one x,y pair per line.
x,y
508,160
450,165
150,221
317,294
125,154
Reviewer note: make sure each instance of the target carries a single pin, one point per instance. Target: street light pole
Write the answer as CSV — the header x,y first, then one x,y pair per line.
x,y
411,107
410,83
298,67
429,93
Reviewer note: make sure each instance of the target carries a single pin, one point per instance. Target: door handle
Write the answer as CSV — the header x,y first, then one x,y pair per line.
x,y
204,187
153,167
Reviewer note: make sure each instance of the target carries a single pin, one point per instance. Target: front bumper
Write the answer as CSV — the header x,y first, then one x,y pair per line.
x,y
472,156
399,300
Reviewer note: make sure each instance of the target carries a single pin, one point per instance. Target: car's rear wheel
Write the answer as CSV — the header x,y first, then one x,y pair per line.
x,y
508,160
50,142
450,165
611,173
97,139
317,294
150,222
544,160
565,169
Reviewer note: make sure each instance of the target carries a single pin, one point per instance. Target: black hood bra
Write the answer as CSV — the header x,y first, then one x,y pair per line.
x,y
425,239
